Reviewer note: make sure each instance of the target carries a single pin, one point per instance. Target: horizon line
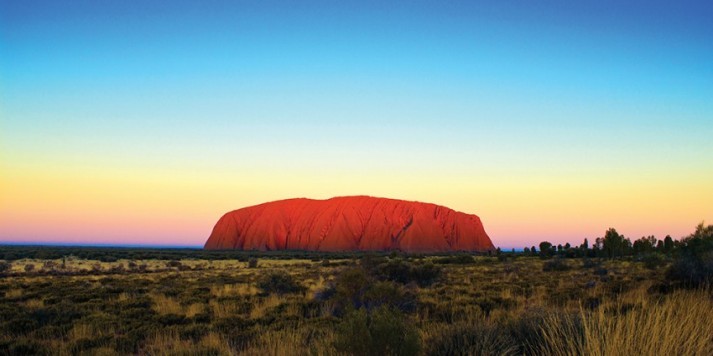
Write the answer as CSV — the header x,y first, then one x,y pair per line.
x,y
73,244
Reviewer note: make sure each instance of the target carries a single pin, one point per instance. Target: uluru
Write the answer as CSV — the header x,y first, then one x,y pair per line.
x,y
352,223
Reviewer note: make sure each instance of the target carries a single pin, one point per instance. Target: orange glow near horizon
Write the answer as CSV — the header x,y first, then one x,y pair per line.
x,y
106,206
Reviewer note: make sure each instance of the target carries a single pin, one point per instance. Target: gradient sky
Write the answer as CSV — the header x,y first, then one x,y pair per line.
x,y
142,122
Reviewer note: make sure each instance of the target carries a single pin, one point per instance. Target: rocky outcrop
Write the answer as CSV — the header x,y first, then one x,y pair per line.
x,y
356,223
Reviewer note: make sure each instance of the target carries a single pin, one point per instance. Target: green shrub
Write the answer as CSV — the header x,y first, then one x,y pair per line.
x,y
694,265
279,283
526,331
398,270
173,264
5,266
425,274
389,294
108,258
20,325
457,260
252,262
171,319
556,264
469,339
589,263
384,331
653,260
25,346
692,271
352,283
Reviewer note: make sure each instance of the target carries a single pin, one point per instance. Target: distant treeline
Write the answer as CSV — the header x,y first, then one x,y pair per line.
x,y
614,245
691,258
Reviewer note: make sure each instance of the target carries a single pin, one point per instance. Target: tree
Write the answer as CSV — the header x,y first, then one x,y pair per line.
x,y
645,244
545,248
599,243
627,248
584,248
668,244
613,244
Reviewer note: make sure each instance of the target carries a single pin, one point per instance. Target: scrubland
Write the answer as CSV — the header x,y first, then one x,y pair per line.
x,y
354,305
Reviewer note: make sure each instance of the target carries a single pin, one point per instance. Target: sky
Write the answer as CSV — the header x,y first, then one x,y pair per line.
x,y
142,122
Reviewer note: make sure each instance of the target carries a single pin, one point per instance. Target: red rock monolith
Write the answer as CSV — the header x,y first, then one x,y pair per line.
x,y
355,223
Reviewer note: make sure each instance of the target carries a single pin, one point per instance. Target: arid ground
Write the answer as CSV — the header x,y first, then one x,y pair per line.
x,y
285,304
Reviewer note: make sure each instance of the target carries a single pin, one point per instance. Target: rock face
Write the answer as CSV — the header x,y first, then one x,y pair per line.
x,y
357,223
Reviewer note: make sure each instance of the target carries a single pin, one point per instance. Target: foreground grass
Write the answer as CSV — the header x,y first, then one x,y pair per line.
x,y
678,324
481,306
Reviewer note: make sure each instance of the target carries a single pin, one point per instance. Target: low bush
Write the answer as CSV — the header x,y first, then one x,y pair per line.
x,y
694,265
383,331
692,271
398,270
653,260
457,260
353,288
556,264
173,264
526,330
471,338
25,346
5,266
426,274
279,283
601,271
108,258
389,294
589,263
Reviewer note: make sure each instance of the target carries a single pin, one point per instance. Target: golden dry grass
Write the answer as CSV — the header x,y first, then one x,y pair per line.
x,y
82,331
13,293
170,343
166,305
224,309
293,340
233,290
680,324
35,303
259,309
